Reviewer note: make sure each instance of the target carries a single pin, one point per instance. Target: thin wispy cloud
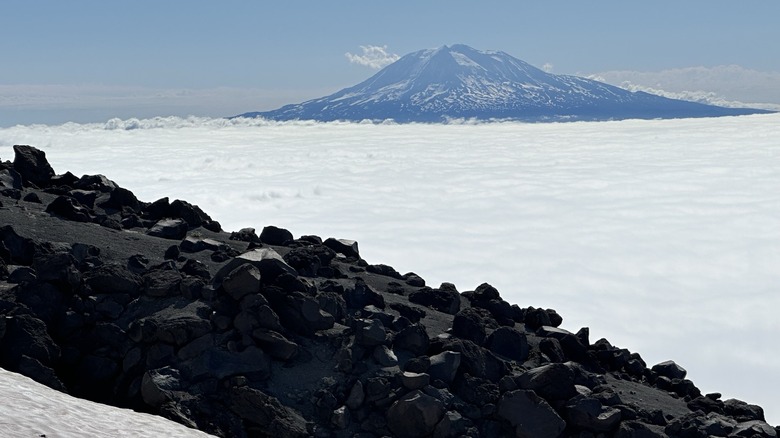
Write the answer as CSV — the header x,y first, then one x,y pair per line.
x,y
374,57
724,85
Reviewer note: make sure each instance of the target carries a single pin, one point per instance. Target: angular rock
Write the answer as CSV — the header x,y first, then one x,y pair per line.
x,y
196,244
269,416
370,332
470,324
266,260
588,413
343,246
444,366
509,343
552,382
670,369
118,200
32,165
529,415
10,179
444,299
174,229
158,385
241,281
412,380
272,235
70,209
275,344
162,283
415,415
413,339
111,278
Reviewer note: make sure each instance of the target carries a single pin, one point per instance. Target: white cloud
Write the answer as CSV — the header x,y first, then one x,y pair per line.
x,y
374,57
548,67
725,85
609,223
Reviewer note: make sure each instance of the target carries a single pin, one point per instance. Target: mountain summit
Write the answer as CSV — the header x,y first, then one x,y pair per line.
x,y
458,81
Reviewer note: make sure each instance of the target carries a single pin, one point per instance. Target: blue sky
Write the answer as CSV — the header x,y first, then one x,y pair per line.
x,y
92,60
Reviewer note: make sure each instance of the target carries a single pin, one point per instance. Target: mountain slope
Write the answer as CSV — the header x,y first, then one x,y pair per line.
x,y
461,82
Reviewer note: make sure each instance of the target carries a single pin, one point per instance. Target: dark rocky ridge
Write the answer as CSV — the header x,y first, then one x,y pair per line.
x,y
152,306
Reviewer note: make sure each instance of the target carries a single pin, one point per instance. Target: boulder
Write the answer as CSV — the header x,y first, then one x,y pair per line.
x,y
552,381
370,332
413,338
158,385
266,260
509,343
444,299
174,229
16,249
10,179
69,208
670,369
111,278
588,413
197,244
162,283
241,281
415,415
272,235
119,199
444,366
275,344
268,416
529,415
361,295
754,429
177,324
470,324
348,248
413,381
32,166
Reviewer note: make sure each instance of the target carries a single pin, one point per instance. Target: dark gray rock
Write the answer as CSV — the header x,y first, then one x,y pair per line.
x,y
478,361
636,429
470,324
415,415
266,414
444,366
754,429
384,356
742,411
361,295
266,260
10,179
444,299
119,199
162,283
18,250
670,369
413,338
32,165
552,382
84,197
272,235
242,281
197,244
509,343
588,413
69,208
349,248
370,332
529,415
158,385
178,324
275,344
174,229
412,380
32,197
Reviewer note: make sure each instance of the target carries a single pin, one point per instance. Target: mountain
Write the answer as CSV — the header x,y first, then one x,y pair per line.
x,y
460,82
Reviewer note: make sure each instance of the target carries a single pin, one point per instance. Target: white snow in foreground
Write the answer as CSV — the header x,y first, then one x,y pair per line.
x,y
661,236
29,409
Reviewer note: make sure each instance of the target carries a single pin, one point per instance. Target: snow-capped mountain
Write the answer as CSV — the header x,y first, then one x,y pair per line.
x,y
461,82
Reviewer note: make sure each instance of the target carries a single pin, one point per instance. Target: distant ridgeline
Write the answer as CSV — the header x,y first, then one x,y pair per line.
x,y
459,82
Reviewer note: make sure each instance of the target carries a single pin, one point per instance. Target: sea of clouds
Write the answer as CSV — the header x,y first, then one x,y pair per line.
x,y
662,236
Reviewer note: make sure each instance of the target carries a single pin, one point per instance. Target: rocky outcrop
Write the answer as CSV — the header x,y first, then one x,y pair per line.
x,y
151,306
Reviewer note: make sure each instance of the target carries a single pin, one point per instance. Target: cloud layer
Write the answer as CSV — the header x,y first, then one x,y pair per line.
x,y
661,236
374,57
724,85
